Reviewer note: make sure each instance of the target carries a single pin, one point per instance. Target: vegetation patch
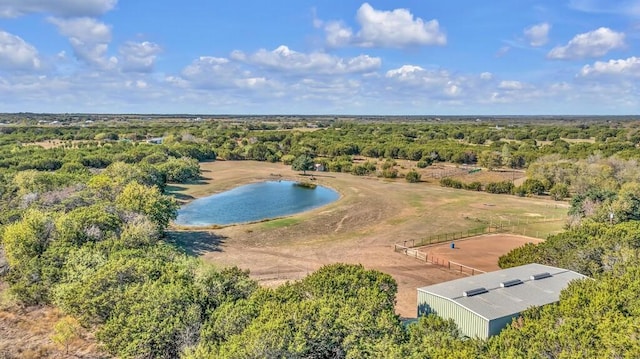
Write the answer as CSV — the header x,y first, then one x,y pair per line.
x,y
280,223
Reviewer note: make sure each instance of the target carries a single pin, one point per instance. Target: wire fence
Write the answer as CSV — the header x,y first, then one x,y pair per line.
x,y
439,261
409,247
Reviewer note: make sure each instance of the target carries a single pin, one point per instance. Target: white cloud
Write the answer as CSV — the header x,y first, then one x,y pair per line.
x,y
622,67
64,8
16,54
434,83
206,64
338,34
289,61
590,44
378,28
396,28
503,51
511,85
538,34
139,56
486,76
618,7
406,71
215,73
89,38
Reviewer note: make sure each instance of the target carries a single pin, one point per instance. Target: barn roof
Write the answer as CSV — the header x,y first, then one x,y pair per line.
x,y
506,292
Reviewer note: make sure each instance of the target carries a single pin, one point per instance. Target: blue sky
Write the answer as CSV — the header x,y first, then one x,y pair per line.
x,y
412,57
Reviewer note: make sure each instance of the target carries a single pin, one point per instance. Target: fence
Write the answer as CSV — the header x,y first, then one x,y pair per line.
x,y
442,262
408,247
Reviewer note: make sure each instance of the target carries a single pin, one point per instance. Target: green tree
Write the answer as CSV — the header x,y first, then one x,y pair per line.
x,y
490,160
27,238
149,201
65,331
181,170
302,163
559,191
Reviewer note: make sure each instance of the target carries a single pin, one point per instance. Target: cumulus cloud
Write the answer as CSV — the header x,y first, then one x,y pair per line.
x,y
206,65
378,28
537,35
89,39
590,44
64,8
405,72
16,54
286,60
338,34
438,83
139,56
216,73
622,67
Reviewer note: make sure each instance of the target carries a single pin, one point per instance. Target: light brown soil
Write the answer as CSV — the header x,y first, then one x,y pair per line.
x,y
479,252
26,333
361,227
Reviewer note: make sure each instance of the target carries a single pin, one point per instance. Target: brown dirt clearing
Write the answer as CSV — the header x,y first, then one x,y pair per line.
x,y
480,252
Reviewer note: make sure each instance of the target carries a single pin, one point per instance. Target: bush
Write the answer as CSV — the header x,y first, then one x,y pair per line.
x,y
450,182
473,186
390,173
559,191
413,177
533,186
504,187
388,164
363,169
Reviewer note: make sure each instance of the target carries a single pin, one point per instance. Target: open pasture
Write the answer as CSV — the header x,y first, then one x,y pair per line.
x,y
361,227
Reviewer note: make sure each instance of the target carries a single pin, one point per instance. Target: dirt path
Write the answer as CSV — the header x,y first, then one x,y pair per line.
x,y
361,227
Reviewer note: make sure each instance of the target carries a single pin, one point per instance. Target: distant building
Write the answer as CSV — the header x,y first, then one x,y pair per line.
x,y
319,167
155,140
484,304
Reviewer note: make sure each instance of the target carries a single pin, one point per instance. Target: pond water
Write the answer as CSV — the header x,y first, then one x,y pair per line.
x,y
254,202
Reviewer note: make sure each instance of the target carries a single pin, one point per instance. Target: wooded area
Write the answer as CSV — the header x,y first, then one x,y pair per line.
x,y
83,222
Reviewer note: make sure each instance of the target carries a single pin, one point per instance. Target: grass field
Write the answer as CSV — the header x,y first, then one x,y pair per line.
x,y
361,227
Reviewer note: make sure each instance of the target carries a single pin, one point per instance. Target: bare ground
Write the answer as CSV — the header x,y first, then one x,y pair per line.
x,y
479,252
26,333
361,227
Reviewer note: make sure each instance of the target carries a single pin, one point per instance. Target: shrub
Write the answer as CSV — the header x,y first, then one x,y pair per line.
x,y
473,186
390,173
450,182
504,187
413,177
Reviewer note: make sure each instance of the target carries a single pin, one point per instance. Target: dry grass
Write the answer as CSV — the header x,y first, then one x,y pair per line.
x,y
361,227
26,333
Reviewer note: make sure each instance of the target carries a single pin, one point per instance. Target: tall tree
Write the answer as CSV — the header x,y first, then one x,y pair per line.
x,y
302,163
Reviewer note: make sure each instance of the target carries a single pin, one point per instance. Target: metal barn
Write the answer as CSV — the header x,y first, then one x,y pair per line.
x,y
484,304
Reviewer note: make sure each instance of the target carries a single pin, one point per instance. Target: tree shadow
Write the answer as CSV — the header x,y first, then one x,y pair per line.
x,y
183,197
195,243
173,188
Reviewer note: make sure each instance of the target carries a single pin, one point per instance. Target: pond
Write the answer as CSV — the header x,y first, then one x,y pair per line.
x,y
254,202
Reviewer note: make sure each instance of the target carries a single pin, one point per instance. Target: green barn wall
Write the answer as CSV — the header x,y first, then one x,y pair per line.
x,y
470,324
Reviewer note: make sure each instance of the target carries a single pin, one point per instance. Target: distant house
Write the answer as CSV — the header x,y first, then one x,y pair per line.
x,y
319,167
484,304
155,140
